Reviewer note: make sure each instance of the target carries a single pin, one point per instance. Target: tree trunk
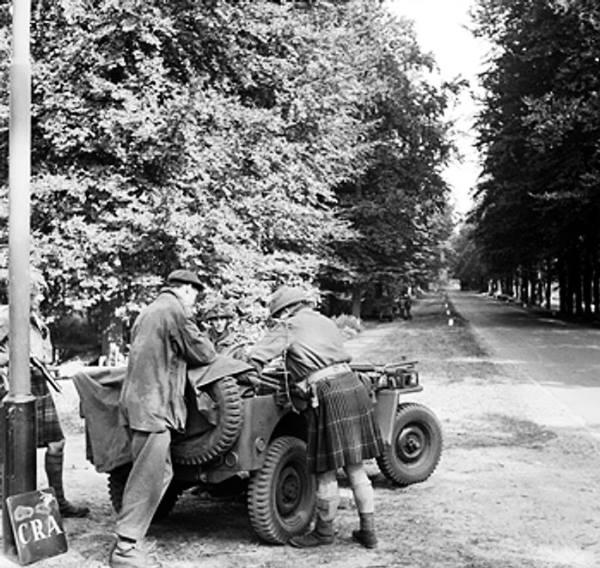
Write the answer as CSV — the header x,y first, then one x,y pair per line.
x,y
565,300
524,285
587,284
577,284
548,285
356,300
596,287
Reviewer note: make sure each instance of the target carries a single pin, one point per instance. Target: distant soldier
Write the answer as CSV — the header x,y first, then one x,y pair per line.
x,y
49,431
404,303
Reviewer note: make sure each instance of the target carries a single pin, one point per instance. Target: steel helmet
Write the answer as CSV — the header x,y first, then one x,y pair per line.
x,y
219,311
284,297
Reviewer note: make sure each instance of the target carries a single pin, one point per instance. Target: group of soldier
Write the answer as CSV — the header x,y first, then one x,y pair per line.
x,y
165,340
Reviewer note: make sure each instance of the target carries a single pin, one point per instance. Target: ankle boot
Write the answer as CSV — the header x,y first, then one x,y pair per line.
x,y
366,534
321,534
54,472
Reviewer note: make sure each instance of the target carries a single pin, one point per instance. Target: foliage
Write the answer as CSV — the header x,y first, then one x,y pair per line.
x,y
398,206
220,136
538,202
466,262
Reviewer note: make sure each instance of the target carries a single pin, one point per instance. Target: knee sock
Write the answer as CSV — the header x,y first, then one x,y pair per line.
x,y
361,488
327,496
54,471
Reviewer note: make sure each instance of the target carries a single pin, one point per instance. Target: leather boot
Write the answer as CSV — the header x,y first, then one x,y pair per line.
x,y
131,555
320,535
54,472
366,534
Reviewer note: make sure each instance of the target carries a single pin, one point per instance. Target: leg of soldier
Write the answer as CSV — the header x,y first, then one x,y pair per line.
x,y
147,482
54,464
365,503
327,503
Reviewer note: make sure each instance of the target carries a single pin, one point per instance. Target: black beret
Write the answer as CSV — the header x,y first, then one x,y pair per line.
x,y
185,277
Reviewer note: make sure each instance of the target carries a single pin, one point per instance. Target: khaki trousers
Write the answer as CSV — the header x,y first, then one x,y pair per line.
x,y
148,480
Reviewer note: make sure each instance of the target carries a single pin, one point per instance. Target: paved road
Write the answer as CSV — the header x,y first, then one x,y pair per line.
x,y
561,360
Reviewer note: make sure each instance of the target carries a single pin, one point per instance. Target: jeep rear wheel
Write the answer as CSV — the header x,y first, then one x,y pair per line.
x,y
208,444
416,446
282,494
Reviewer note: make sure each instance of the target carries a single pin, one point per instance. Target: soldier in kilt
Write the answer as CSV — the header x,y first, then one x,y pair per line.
x,y
49,431
341,429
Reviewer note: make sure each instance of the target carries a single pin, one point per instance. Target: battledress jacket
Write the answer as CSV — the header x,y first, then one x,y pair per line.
x,y
309,340
165,340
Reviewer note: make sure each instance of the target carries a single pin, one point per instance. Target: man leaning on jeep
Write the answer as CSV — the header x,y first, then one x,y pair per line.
x,y
164,341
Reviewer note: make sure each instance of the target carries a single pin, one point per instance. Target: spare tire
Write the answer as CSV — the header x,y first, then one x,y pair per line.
x,y
201,445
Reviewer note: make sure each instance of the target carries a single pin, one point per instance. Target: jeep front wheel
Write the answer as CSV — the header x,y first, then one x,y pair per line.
x,y
415,448
282,494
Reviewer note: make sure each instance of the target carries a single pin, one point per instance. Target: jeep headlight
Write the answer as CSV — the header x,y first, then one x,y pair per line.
x,y
411,379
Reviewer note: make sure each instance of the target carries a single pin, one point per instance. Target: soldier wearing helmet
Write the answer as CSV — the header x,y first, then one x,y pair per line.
x,y
49,433
341,428
217,320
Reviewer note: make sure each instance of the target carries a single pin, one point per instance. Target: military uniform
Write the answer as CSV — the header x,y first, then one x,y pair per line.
x,y
49,433
341,429
48,427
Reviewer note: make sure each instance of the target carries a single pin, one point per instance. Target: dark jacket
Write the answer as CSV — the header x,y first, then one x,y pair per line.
x,y
165,340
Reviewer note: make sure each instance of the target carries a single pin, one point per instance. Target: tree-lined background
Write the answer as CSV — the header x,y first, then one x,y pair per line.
x,y
535,229
257,142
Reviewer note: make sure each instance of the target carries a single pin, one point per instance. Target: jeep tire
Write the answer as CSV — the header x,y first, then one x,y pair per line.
x,y
282,494
416,446
196,450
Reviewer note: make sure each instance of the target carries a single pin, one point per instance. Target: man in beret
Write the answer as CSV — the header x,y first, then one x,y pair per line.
x,y
165,340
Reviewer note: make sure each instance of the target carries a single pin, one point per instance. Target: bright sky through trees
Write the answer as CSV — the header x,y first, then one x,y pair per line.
x,y
442,28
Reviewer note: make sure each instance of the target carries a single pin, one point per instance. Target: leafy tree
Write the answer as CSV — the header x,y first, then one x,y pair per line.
x,y
398,206
539,132
215,135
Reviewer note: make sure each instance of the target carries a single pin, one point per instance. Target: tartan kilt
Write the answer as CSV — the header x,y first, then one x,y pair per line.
x,y
48,427
341,430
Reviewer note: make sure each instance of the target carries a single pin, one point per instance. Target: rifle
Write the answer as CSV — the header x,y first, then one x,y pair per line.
x,y
35,362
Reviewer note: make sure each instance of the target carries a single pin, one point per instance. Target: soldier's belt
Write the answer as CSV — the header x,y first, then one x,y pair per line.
x,y
327,372
307,386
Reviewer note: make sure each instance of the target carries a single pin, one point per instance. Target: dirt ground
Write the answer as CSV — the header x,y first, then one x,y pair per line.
x,y
517,485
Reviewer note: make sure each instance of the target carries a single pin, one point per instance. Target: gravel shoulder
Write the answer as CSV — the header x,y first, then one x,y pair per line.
x,y
516,486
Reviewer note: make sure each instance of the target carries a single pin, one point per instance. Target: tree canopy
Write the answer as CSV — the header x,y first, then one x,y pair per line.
x,y
229,137
539,131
